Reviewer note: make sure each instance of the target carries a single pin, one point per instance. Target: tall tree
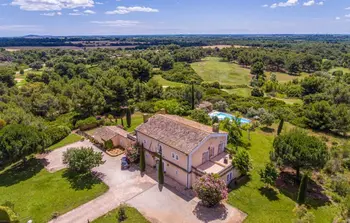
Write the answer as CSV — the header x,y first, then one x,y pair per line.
x,y
160,169
302,189
298,150
142,159
128,117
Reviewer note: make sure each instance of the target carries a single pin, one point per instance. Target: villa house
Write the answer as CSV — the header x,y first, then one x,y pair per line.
x,y
189,149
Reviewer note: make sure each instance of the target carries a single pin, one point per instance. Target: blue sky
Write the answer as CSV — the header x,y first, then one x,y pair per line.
x,y
117,17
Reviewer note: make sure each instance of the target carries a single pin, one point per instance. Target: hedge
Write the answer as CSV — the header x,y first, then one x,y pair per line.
x,y
88,123
7,215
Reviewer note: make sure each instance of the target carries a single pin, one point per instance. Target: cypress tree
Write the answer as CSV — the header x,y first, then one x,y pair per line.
x,y
302,189
142,160
192,99
280,127
128,117
160,170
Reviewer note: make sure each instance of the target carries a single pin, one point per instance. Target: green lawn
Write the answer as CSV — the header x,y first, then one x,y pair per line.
x,y
283,77
291,101
345,70
213,69
262,207
134,216
244,92
166,83
72,138
37,194
136,120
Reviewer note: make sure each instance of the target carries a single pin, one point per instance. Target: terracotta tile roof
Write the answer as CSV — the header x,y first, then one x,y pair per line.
x,y
177,132
106,133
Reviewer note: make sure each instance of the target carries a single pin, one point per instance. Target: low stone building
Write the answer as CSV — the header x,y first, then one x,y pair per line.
x,y
112,136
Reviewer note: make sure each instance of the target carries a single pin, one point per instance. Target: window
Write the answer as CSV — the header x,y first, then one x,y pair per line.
x,y
229,177
221,147
205,157
174,156
176,172
144,142
212,151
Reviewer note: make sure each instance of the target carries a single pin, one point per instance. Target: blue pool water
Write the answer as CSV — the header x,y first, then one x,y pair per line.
x,y
222,116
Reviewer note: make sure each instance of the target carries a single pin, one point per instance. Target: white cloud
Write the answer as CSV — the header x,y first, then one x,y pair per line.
x,y
309,3
288,3
117,23
320,3
51,13
99,3
75,13
89,12
337,18
126,10
347,16
4,4
51,5
348,8
75,10
265,6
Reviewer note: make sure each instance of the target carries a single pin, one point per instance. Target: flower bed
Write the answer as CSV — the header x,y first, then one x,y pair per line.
x,y
115,152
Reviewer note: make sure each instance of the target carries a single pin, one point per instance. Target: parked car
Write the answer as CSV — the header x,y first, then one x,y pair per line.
x,y
125,164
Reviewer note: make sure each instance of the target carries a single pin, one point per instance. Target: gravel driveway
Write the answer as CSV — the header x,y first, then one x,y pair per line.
x,y
142,192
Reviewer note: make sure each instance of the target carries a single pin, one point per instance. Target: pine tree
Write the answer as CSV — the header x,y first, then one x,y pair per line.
x,y
280,127
142,160
302,189
128,117
160,170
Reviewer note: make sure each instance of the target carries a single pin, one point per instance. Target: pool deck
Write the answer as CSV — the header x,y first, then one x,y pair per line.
x,y
223,115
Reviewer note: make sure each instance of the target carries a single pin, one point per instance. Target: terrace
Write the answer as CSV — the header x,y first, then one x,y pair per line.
x,y
217,164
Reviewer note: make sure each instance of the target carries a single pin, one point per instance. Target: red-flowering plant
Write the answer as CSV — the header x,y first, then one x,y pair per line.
x,y
210,189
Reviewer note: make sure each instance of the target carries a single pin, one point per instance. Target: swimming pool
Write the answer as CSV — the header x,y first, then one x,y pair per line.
x,y
223,115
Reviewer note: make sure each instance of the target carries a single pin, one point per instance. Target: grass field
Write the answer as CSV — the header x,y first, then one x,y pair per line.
x,y
290,101
345,70
213,69
166,83
136,120
133,216
37,194
283,77
72,138
265,206
244,92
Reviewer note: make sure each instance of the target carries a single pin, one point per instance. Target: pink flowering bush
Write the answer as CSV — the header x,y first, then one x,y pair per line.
x,y
210,189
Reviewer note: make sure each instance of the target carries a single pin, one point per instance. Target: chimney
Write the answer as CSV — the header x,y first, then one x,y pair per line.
x,y
145,117
216,127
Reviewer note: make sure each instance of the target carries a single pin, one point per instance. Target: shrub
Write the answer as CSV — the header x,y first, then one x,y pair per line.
x,y
57,133
257,92
122,213
210,189
8,215
200,116
2,123
87,124
302,214
221,106
146,106
109,144
340,185
132,154
82,160
242,161
269,174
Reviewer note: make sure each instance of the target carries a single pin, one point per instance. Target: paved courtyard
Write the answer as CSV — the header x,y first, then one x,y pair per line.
x,y
159,204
